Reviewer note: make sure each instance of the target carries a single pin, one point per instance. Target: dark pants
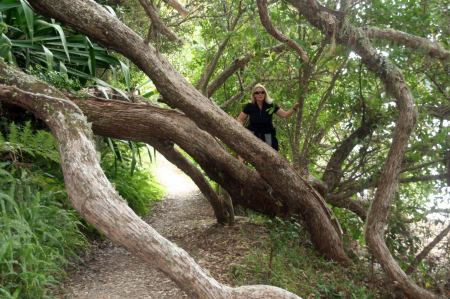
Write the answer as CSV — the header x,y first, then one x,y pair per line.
x,y
268,138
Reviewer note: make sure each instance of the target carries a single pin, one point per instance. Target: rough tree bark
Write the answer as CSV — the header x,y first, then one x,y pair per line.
x,y
245,186
93,20
93,196
355,38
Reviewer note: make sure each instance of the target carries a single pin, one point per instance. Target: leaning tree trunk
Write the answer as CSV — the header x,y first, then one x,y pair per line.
x,y
245,186
93,196
222,206
93,20
355,39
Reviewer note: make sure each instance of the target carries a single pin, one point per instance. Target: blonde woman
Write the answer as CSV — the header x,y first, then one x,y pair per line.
x,y
260,112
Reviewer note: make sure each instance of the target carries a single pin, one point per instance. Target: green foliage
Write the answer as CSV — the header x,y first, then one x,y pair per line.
x,y
287,260
59,80
22,144
30,40
39,234
124,167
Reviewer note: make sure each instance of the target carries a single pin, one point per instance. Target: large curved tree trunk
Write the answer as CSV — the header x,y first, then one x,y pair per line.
x,y
355,39
93,196
91,19
150,123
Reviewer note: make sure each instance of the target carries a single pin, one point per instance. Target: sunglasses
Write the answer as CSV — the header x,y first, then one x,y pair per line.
x,y
259,92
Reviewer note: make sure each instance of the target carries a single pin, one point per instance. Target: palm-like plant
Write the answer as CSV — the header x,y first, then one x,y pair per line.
x,y
27,39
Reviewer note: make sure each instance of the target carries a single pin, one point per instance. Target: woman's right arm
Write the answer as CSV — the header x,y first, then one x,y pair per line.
x,y
242,118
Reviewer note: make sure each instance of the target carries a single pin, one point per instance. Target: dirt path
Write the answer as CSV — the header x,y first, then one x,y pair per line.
x,y
184,217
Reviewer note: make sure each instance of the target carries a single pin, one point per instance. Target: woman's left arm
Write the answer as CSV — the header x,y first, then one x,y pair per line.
x,y
285,114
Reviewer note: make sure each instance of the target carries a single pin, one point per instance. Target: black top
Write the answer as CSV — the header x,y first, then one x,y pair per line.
x,y
261,119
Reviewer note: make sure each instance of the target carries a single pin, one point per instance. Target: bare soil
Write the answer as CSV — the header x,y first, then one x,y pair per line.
x,y
108,271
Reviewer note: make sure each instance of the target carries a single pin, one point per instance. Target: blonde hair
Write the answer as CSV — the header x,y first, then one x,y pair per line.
x,y
267,98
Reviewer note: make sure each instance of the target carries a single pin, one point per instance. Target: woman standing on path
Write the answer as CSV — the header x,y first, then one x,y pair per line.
x,y
260,111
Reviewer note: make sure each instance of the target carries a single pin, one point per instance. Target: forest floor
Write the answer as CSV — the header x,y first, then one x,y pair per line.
x,y
184,216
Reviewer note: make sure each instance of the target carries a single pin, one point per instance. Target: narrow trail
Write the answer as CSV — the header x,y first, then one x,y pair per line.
x,y
185,218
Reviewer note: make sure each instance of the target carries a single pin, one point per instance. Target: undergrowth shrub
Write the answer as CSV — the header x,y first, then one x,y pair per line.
x,y
130,175
39,231
288,260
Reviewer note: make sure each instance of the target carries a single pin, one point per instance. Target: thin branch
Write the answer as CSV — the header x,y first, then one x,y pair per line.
x,y
420,166
157,23
424,178
427,250
238,96
430,48
202,84
178,7
265,20
238,64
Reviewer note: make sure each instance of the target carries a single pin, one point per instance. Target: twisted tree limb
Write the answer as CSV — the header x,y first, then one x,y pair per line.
x,y
356,39
91,19
93,196
416,43
270,28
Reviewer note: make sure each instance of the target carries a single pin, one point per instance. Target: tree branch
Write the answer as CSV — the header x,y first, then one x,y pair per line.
x,y
430,48
238,64
265,20
222,210
356,39
178,7
157,23
93,196
427,250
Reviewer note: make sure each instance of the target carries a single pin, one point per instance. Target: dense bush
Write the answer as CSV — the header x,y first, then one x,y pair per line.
x,y
39,232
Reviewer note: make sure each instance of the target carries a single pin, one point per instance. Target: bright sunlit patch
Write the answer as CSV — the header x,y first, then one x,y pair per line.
x,y
173,179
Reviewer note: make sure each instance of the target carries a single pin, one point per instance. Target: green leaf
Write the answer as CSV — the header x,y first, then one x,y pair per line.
x,y
126,74
5,46
29,17
133,156
49,58
92,62
5,6
62,36
62,68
